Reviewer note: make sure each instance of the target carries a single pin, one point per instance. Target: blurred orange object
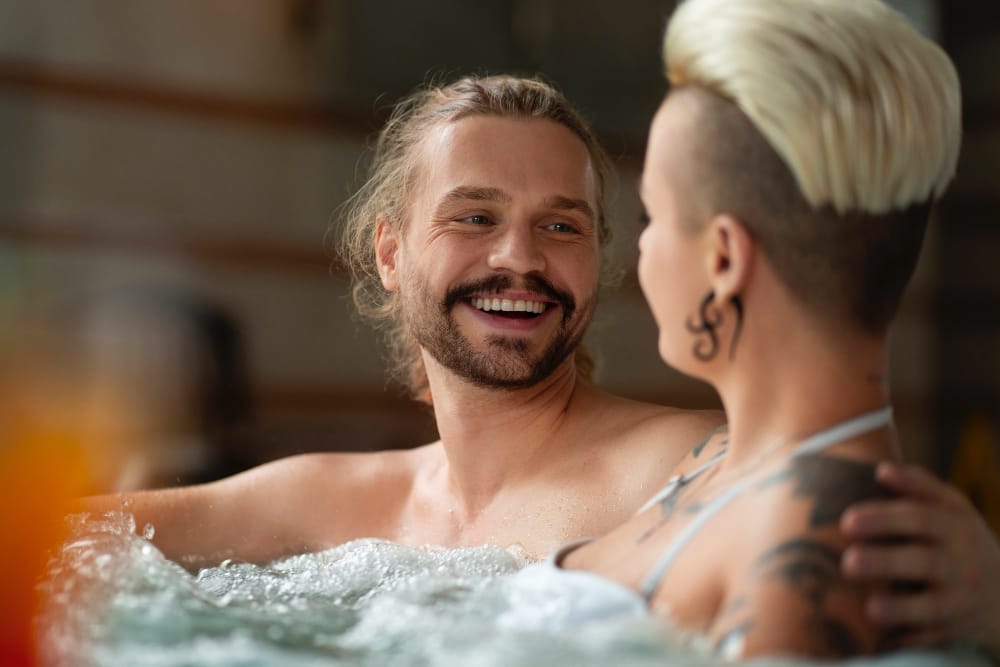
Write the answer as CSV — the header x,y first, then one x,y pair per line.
x,y
43,467
976,467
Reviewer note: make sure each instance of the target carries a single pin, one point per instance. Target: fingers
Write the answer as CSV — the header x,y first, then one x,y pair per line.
x,y
923,511
923,612
913,638
906,562
895,518
932,539
916,482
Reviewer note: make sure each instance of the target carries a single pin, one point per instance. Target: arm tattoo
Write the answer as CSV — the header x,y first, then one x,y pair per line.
x,y
812,571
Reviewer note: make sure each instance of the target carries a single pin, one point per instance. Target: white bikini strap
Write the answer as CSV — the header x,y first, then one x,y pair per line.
x,y
845,430
677,479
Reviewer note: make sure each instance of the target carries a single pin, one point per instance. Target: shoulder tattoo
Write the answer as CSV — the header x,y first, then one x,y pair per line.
x,y
834,484
811,571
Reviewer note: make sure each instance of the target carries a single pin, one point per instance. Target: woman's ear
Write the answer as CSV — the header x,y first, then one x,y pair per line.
x,y
386,251
731,255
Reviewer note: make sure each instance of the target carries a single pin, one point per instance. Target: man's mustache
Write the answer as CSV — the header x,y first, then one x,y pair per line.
x,y
500,282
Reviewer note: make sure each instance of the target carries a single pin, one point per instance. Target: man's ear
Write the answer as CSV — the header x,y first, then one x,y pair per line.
x,y
386,251
730,257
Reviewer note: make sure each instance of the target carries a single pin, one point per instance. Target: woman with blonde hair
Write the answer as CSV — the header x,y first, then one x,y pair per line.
x,y
788,180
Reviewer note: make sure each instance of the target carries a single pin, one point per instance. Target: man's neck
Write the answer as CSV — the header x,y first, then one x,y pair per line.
x,y
496,438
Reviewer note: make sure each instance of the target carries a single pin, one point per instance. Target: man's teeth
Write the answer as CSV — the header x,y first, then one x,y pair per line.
x,y
509,305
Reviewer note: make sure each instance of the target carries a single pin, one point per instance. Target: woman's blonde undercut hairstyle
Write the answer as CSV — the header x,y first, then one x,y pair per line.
x,y
828,128
791,67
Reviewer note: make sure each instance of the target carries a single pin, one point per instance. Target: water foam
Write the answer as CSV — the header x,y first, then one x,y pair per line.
x,y
113,600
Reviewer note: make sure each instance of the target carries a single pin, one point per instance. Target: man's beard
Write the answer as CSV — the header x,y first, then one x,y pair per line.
x,y
508,362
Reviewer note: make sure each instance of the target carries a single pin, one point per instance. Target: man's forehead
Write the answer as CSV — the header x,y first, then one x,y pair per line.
x,y
516,156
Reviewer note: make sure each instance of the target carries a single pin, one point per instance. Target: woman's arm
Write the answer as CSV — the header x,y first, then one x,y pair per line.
x,y
794,601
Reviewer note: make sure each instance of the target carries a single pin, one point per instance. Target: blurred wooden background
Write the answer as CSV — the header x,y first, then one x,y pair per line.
x,y
202,148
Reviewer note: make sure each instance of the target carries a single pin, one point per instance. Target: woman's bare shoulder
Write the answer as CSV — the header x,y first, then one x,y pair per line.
x,y
787,569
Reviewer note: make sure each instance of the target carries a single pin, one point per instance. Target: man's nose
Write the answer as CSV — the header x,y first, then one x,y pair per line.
x,y
517,250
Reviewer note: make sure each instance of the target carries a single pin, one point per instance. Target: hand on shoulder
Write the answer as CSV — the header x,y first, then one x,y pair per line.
x,y
932,537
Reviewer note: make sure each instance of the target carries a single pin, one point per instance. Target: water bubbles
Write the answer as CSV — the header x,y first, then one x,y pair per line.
x,y
148,531
103,562
361,604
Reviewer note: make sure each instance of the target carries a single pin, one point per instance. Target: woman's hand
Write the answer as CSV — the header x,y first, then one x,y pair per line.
x,y
947,550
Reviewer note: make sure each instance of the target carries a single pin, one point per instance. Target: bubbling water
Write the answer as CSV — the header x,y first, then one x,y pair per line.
x,y
114,600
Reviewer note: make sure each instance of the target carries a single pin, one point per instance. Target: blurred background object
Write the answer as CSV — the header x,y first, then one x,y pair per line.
x,y
171,170
164,379
192,155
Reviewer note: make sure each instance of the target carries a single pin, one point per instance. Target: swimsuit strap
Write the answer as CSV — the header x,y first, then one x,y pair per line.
x,y
845,430
677,481
556,558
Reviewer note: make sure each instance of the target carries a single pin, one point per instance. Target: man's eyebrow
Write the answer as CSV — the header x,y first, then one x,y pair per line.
x,y
561,203
467,193
473,193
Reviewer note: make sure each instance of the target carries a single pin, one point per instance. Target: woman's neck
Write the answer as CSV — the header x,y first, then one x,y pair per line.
x,y
777,392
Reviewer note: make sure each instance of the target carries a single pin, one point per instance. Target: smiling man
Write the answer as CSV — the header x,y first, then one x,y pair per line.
x,y
475,246
515,296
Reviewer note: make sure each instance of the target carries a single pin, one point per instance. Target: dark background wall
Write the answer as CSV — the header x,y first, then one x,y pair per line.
x,y
202,147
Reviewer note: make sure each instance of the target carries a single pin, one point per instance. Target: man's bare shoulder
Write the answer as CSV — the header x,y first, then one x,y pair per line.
x,y
650,424
642,442
351,470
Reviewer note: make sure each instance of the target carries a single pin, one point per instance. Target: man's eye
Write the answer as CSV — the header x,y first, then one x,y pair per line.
x,y
476,219
563,227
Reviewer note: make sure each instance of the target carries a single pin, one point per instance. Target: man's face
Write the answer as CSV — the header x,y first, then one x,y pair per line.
x,y
498,264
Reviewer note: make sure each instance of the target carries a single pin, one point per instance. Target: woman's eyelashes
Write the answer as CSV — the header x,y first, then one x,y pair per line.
x,y
644,218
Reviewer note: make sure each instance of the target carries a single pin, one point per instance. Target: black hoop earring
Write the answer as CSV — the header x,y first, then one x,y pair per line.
x,y
706,347
738,307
